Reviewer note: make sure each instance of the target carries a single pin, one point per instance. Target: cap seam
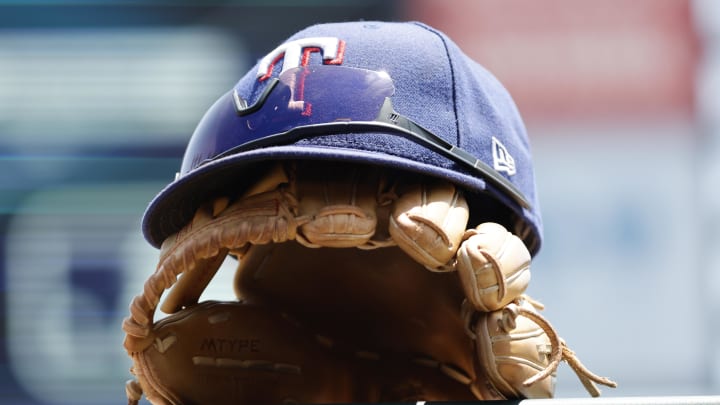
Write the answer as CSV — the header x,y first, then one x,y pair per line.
x,y
452,79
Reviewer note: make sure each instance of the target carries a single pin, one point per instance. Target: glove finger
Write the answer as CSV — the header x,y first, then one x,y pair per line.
x,y
428,221
340,205
512,348
493,265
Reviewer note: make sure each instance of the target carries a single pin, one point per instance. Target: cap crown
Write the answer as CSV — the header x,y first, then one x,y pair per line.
x,y
436,85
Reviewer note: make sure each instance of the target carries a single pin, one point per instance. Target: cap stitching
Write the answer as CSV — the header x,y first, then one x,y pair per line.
x,y
452,77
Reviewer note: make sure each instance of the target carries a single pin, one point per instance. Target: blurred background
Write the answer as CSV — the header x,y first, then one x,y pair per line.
x,y
622,104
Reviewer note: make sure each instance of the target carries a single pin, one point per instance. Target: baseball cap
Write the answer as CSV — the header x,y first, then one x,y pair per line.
x,y
395,94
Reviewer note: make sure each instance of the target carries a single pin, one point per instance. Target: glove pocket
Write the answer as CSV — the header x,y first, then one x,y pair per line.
x,y
229,353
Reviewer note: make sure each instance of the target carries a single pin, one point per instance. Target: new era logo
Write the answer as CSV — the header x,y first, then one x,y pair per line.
x,y
502,159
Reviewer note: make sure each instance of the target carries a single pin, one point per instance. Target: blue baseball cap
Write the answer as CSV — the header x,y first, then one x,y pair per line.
x,y
392,94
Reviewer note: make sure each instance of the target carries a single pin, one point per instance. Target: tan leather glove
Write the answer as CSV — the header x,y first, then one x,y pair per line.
x,y
354,284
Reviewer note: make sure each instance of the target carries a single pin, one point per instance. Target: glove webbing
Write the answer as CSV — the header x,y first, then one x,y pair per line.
x,y
259,219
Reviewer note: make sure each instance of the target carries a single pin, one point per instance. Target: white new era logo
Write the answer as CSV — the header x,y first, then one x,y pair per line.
x,y
502,160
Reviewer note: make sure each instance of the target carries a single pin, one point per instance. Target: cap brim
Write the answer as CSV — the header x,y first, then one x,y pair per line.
x,y
176,204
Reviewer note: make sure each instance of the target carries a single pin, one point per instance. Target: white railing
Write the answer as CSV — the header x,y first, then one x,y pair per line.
x,y
671,400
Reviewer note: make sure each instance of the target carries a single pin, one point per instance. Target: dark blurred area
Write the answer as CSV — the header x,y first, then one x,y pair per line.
x,y
97,102
99,98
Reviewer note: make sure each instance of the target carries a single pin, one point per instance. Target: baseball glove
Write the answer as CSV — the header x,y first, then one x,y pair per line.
x,y
354,284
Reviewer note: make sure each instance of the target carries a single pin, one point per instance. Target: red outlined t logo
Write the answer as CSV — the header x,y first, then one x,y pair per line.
x,y
297,53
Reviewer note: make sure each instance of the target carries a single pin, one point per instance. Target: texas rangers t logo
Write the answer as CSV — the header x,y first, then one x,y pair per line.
x,y
297,53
